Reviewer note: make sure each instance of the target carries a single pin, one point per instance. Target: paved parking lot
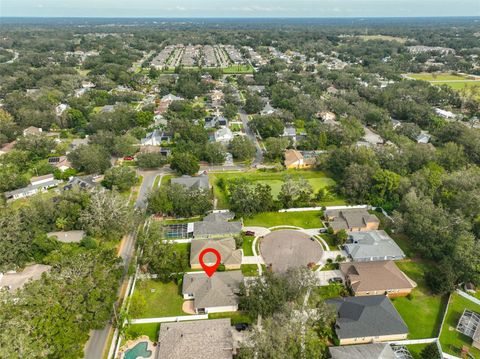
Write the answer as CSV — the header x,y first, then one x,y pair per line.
x,y
285,249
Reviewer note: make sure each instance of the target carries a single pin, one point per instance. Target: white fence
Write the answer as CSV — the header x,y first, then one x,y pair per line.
x,y
468,296
182,318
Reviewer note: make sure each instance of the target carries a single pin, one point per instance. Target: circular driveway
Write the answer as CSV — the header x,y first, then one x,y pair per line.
x,y
288,248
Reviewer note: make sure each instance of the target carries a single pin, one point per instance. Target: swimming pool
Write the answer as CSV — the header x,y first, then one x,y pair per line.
x,y
138,351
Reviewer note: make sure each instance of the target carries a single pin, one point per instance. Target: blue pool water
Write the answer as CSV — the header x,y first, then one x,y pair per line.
x,y
138,351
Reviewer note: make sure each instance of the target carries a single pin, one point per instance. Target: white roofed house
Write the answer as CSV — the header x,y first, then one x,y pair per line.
x,y
155,138
60,109
423,137
223,135
37,185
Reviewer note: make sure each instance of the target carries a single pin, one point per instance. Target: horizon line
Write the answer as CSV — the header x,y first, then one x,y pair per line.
x,y
238,17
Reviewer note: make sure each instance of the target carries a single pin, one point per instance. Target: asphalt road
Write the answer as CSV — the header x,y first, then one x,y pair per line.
x,y
95,346
259,155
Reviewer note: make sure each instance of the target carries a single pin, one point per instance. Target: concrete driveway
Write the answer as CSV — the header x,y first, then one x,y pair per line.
x,y
324,276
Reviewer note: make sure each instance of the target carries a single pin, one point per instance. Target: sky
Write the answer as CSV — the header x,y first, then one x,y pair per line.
x,y
239,8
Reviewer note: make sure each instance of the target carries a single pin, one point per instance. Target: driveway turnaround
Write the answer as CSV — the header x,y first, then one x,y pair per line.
x,y
288,248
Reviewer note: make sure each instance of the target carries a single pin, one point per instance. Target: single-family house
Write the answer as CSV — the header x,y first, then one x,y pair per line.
x,y
201,339
170,98
327,117
374,245
7,147
223,135
423,137
445,114
215,294
354,219
37,185
60,162
267,110
230,257
193,182
74,236
290,132
77,142
215,225
85,182
367,351
60,109
155,138
367,319
32,131
377,277
295,160
12,281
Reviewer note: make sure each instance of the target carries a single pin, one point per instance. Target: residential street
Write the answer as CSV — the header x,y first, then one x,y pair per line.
x,y
259,155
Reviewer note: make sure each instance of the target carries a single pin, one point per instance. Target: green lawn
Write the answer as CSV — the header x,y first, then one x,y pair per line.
x,y
451,340
149,329
333,290
164,301
249,270
416,349
308,219
238,69
423,312
436,76
237,317
247,245
317,180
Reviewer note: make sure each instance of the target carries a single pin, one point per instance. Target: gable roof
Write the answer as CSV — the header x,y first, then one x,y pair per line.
x,y
367,244
216,224
375,276
368,316
370,351
201,339
216,291
292,157
226,247
196,182
350,218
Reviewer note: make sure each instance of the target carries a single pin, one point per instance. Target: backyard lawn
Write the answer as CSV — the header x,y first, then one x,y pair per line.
x,y
307,219
237,317
149,329
423,312
416,349
317,180
238,69
153,299
451,340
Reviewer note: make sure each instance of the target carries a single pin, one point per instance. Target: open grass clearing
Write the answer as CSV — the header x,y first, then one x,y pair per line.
x,y
307,219
236,317
317,180
421,311
436,76
152,299
238,69
451,340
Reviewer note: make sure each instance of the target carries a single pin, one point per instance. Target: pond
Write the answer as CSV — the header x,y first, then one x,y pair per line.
x,y
138,351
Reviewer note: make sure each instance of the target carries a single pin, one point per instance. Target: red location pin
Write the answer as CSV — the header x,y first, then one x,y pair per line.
x,y
208,267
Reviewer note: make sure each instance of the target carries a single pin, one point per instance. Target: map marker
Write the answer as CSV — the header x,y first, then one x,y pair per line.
x,y
209,269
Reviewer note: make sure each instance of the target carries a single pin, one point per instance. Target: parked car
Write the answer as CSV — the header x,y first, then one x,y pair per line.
x,y
323,230
249,233
335,280
128,158
240,327
312,239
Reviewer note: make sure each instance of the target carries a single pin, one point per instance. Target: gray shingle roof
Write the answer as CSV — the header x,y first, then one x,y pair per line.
x,y
216,224
350,218
226,248
367,351
368,316
201,339
368,245
216,291
197,182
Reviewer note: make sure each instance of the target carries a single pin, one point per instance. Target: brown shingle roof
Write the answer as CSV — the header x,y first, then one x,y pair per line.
x,y
375,276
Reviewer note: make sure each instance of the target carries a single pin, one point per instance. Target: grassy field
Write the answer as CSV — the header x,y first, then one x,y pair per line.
x,y
238,69
156,299
451,340
317,180
137,330
427,76
423,312
308,219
